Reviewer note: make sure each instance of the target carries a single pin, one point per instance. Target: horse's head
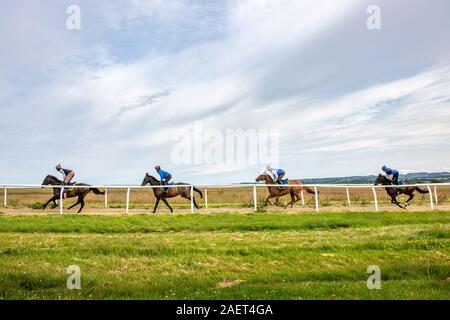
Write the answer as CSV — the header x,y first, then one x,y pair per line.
x,y
149,179
380,179
50,180
146,179
46,181
263,177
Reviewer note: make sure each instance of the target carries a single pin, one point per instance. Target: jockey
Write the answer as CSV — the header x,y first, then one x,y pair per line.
x,y
277,174
67,174
165,177
392,174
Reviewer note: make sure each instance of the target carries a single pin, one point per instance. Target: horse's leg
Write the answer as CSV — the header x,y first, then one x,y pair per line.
x,y
411,196
267,200
76,203
156,204
55,197
292,201
397,203
167,204
277,201
82,205
297,199
51,199
187,195
195,203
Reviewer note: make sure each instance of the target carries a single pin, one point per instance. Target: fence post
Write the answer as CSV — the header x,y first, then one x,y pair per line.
x,y
316,198
206,197
348,197
106,198
127,210
303,198
61,197
375,198
431,197
192,199
255,200
435,194
5,195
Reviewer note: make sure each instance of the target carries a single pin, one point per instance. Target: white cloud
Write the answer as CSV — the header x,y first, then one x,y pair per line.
x,y
308,68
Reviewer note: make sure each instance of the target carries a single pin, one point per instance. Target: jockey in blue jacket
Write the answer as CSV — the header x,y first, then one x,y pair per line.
x,y
165,177
278,174
392,174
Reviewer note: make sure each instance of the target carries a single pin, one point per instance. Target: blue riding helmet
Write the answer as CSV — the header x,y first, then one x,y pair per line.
x,y
385,168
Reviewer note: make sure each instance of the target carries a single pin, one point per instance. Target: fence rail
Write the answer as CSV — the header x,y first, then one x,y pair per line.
x,y
316,187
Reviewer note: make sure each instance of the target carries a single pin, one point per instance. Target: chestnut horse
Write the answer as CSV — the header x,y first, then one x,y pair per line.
x,y
294,188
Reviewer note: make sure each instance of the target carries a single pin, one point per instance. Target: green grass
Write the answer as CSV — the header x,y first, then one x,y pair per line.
x,y
227,256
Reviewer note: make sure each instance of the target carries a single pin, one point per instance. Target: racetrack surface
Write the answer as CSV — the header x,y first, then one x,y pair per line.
x,y
164,210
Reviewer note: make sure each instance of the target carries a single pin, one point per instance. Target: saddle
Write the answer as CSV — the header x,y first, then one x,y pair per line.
x,y
283,183
400,183
67,186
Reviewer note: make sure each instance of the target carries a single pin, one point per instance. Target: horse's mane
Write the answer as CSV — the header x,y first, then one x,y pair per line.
x,y
152,178
53,177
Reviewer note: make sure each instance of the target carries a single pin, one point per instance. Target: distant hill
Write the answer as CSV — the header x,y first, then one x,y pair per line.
x,y
415,177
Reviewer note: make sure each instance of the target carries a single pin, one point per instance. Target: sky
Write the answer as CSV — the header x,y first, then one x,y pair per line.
x,y
114,98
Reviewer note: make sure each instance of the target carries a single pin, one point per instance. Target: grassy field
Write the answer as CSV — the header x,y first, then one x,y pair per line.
x,y
227,256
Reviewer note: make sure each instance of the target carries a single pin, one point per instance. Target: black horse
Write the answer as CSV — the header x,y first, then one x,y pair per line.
x,y
81,193
160,194
393,192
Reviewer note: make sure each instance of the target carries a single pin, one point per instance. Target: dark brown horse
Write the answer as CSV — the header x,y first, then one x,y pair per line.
x,y
160,194
277,192
81,193
393,192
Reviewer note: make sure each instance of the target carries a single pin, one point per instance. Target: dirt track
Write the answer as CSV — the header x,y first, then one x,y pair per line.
x,y
121,211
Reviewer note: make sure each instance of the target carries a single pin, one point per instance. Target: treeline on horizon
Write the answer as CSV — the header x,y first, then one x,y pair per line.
x,y
414,177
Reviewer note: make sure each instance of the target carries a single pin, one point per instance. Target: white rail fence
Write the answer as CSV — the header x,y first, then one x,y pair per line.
x,y
315,187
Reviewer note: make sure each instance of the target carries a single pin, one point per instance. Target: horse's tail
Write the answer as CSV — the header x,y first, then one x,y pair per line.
x,y
199,191
309,190
421,190
96,191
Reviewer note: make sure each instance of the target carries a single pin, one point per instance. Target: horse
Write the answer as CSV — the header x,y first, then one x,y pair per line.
x,y
277,192
161,195
393,192
81,193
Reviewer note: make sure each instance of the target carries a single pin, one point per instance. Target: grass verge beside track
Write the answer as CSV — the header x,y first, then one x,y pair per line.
x,y
227,256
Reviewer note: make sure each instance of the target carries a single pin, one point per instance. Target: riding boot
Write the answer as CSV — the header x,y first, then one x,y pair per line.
x,y
165,191
281,185
65,190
